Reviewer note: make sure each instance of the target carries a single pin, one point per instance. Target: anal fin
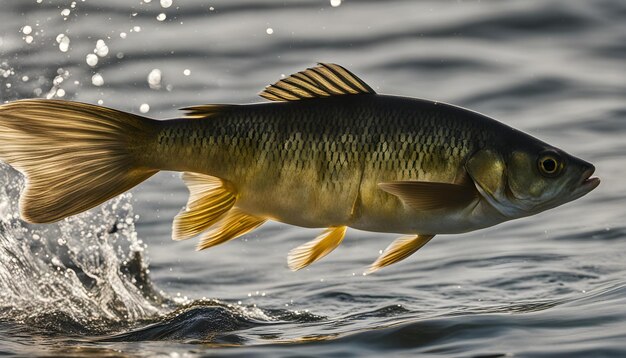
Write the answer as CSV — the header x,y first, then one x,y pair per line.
x,y
234,224
399,250
306,254
209,199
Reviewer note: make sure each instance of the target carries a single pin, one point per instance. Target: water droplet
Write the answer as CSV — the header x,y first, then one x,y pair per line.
x,y
101,48
335,3
64,42
97,80
147,1
26,30
137,28
166,3
161,17
65,12
100,102
28,39
123,35
186,72
61,92
144,108
269,30
211,8
154,78
25,78
91,59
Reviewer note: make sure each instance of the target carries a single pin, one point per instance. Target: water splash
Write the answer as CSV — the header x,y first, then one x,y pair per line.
x,y
87,275
87,272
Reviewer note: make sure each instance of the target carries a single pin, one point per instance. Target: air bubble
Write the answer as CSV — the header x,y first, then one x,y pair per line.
x,y
166,3
335,3
161,17
144,108
186,72
269,30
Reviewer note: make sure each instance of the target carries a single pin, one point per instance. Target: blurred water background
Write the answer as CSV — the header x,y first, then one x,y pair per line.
x,y
111,282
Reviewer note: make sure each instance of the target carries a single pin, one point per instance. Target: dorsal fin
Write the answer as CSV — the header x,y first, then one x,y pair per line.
x,y
323,80
206,110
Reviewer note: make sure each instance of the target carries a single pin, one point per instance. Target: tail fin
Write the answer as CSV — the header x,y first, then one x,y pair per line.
x,y
74,155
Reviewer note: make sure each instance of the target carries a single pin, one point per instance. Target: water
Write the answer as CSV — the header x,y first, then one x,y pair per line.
x,y
111,282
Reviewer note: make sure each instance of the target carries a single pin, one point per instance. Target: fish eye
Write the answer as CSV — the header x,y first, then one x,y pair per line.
x,y
550,164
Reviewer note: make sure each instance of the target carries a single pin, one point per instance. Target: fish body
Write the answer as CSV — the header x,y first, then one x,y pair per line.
x,y
318,163
328,152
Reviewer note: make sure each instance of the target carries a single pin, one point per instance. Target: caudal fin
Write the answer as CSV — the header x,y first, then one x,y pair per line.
x,y
74,155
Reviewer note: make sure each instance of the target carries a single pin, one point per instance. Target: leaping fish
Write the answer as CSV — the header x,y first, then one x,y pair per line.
x,y
326,152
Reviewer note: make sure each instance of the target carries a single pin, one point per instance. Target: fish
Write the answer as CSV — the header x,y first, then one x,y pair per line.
x,y
325,151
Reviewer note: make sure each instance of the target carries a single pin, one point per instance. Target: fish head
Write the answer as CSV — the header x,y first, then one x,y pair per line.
x,y
523,180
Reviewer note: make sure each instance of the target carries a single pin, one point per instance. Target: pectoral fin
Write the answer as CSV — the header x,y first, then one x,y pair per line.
x,y
231,226
399,250
421,195
209,199
306,254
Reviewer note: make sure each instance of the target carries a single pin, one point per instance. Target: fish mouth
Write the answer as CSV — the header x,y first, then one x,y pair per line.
x,y
588,182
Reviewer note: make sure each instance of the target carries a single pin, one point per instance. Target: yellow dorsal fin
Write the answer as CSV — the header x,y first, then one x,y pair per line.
x,y
234,224
399,250
323,80
209,199
306,254
206,110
